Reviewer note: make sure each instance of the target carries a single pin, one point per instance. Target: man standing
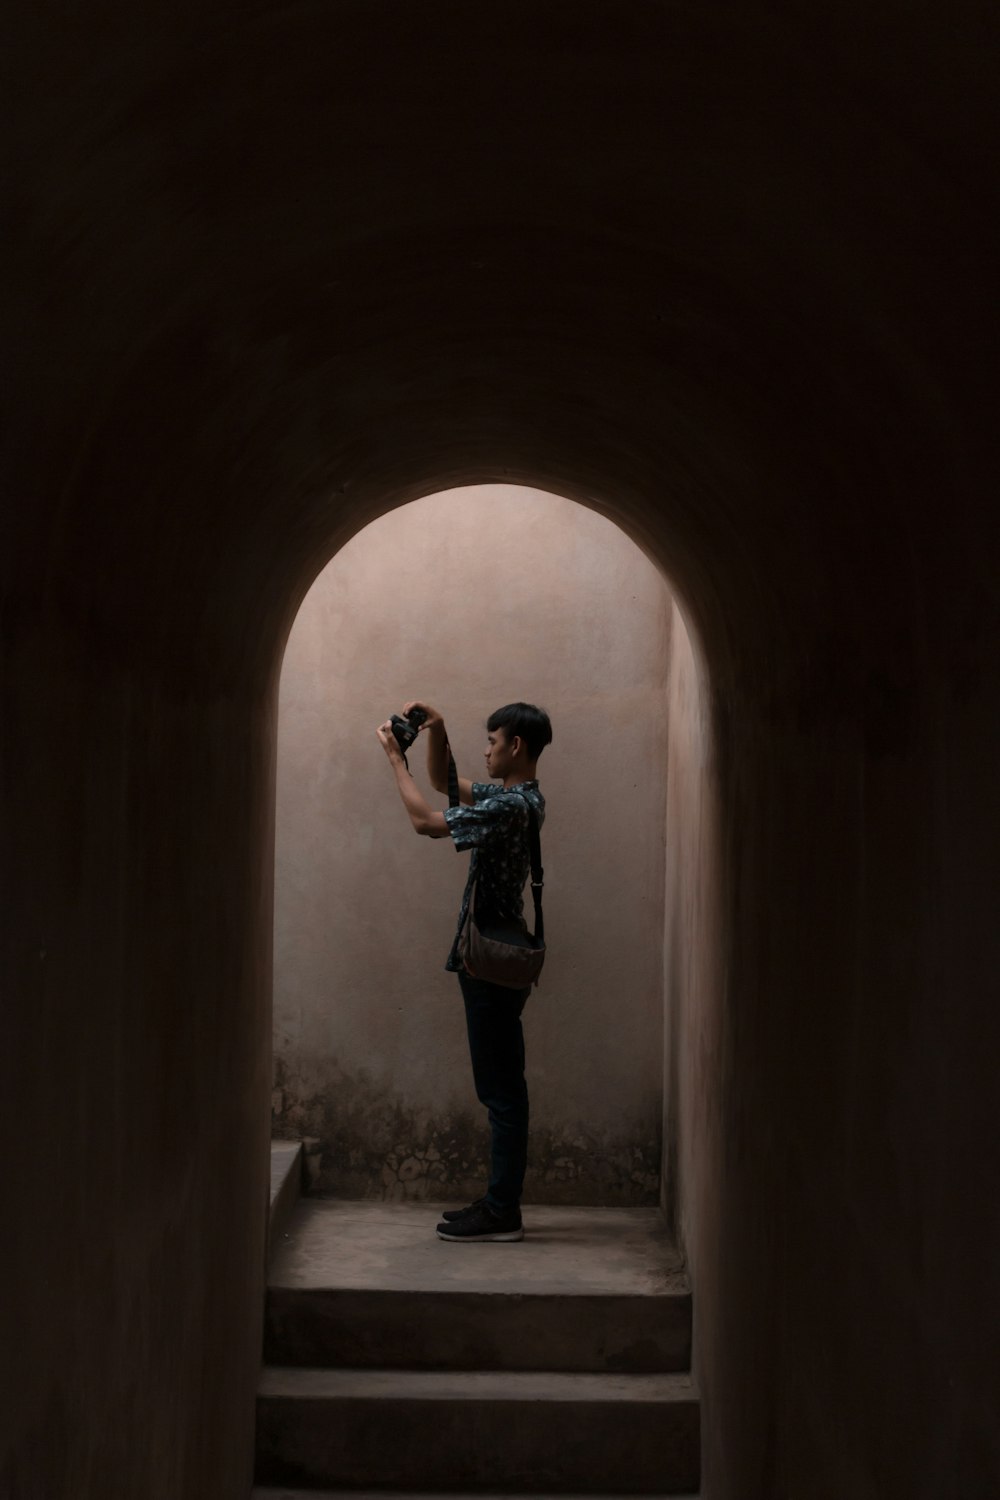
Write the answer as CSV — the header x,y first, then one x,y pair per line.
x,y
493,822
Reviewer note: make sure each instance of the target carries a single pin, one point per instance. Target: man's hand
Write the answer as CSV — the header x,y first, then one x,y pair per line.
x,y
437,752
433,717
434,824
389,742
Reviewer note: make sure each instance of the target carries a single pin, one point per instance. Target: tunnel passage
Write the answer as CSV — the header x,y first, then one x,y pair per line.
x,y
727,277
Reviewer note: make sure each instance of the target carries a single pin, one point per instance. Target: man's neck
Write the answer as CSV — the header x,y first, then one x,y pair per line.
x,y
523,773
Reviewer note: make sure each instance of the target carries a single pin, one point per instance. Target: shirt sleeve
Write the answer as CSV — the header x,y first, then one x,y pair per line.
x,y
474,827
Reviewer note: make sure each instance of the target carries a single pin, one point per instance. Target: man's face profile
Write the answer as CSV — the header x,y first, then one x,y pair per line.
x,y
499,754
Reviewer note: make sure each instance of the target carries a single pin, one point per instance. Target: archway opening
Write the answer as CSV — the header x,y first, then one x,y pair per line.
x,y
470,598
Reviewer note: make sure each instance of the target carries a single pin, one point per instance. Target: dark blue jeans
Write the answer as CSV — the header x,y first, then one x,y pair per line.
x,y
496,1045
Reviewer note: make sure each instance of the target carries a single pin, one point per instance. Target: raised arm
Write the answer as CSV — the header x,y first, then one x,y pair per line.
x,y
437,753
424,819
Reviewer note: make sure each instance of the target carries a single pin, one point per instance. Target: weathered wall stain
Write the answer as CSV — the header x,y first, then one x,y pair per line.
x,y
363,1141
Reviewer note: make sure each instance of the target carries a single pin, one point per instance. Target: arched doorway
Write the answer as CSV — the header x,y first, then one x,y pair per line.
x,y
471,598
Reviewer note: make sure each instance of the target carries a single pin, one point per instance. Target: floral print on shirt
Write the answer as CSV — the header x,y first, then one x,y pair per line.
x,y
495,828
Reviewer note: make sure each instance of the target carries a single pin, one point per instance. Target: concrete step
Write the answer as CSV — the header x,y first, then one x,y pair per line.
x,y
286,1187
370,1285
523,1433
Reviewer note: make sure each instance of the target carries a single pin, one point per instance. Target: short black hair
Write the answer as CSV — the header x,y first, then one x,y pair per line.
x,y
524,719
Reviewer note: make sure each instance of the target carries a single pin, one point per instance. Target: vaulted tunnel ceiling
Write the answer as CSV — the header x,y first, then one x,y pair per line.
x,y
699,267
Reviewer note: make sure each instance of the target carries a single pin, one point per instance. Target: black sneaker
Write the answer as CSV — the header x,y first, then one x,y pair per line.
x,y
481,1223
451,1214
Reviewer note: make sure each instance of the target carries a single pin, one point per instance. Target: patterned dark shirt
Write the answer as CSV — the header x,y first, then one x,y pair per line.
x,y
495,828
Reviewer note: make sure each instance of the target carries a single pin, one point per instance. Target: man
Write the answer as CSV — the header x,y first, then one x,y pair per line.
x,y
492,822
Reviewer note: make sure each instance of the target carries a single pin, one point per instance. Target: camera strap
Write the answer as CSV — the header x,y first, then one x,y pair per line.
x,y
452,777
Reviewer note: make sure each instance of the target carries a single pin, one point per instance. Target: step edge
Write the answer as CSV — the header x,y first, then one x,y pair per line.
x,y
667,1295
282,1492
305,1383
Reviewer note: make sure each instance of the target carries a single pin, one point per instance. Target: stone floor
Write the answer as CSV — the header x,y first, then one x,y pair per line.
x,y
377,1246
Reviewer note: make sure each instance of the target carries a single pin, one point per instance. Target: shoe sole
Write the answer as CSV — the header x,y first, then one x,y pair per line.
x,y
505,1236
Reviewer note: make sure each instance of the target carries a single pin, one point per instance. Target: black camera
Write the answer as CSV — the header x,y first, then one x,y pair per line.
x,y
406,729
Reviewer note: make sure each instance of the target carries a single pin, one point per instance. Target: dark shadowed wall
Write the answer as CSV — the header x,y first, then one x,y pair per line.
x,y
728,276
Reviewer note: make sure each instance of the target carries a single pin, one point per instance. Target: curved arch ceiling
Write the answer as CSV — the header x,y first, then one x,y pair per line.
x,y
686,267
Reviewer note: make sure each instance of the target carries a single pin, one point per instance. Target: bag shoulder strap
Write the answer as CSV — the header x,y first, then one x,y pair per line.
x,y
537,873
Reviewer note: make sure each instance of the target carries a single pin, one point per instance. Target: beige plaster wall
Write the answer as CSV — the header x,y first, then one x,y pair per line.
x,y
691,946
694,967
470,599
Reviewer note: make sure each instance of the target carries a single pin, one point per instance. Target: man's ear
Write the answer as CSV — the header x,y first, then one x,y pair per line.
x,y
516,745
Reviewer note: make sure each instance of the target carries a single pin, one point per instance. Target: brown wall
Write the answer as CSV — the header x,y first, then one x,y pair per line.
x,y
725,274
471,599
696,1082
693,953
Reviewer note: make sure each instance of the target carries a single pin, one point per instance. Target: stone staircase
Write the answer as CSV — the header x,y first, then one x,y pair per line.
x,y
399,1364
